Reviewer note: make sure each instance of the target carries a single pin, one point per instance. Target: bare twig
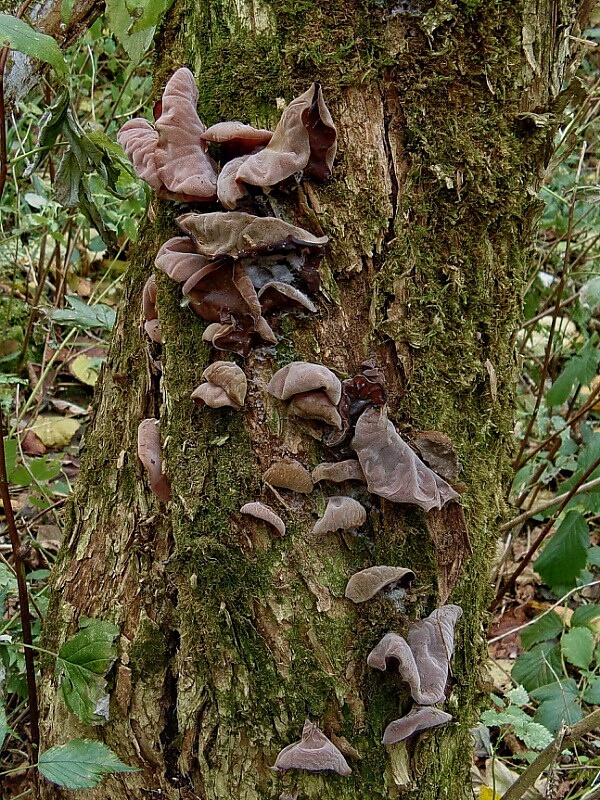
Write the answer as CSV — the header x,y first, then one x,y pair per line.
x,y
567,736
513,523
23,597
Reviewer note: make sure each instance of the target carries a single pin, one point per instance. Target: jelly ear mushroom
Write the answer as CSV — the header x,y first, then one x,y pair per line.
x,y
391,467
304,140
365,584
302,376
150,454
236,138
266,514
423,660
342,513
178,259
138,139
151,325
184,166
315,405
418,719
226,385
313,753
289,474
339,471
238,234
229,189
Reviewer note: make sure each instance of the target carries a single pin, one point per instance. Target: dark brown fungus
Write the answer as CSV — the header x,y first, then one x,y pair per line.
x,y
226,385
302,376
150,454
339,471
313,753
289,474
236,138
178,259
437,451
151,325
360,392
266,514
424,656
392,468
184,166
277,294
342,513
304,140
365,584
418,719
138,139
238,234
315,405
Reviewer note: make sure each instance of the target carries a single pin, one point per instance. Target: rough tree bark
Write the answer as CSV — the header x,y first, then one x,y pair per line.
x,y
231,637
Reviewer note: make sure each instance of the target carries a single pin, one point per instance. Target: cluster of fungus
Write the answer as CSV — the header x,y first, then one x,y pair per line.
x,y
237,269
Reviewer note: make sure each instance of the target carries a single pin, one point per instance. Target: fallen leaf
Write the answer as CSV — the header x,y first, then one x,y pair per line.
x,y
86,369
32,444
55,431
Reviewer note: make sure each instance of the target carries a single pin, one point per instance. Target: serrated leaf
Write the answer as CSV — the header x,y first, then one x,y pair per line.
x,y
559,703
543,629
577,647
512,716
534,735
120,21
84,660
539,666
585,615
147,13
579,371
591,694
44,469
84,316
22,37
80,764
518,696
565,555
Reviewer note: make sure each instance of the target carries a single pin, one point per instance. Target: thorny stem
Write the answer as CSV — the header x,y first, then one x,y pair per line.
x,y
567,736
559,292
23,596
544,532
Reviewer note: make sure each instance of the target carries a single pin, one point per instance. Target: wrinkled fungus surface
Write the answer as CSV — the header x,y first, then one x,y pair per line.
x,y
365,584
418,719
313,753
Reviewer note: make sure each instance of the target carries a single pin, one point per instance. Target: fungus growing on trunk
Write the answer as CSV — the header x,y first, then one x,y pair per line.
x,y
289,474
229,189
391,467
342,513
313,753
226,385
138,139
151,325
277,294
302,376
424,660
315,405
365,584
236,139
305,140
150,454
178,259
437,451
266,514
339,471
418,719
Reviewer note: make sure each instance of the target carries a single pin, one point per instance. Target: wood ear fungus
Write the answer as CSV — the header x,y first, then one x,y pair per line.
x,y
365,584
342,513
226,385
266,514
150,454
313,753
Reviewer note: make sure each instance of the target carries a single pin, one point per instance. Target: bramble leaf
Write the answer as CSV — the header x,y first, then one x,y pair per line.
x,y
80,764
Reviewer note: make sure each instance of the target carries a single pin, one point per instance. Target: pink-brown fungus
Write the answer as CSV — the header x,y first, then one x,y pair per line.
x,y
313,753
150,454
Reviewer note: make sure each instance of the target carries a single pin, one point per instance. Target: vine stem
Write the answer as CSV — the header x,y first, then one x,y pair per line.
x,y
567,736
34,718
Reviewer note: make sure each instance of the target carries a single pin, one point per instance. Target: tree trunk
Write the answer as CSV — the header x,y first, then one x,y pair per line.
x,y
231,637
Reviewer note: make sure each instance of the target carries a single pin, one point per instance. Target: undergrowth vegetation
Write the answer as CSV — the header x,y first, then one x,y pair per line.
x,y
70,208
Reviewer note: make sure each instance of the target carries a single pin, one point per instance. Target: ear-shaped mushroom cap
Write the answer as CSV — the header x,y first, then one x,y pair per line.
x,y
302,376
138,138
237,138
238,234
211,330
289,474
315,405
183,164
365,584
277,294
342,513
392,469
226,386
229,189
313,753
437,450
305,139
150,454
339,471
418,719
424,660
151,325
178,259
262,511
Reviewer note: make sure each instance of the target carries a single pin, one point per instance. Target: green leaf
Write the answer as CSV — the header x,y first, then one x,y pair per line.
x,y
585,615
8,579
534,735
539,666
543,629
84,661
559,703
120,21
518,696
84,316
147,13
577,647
10,455
591,694
80,764
22,37
51,125
44,469
593,556
565,555
580,370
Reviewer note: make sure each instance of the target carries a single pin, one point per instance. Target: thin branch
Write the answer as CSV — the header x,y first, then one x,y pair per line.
x,y
567,737
23,596
513,523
